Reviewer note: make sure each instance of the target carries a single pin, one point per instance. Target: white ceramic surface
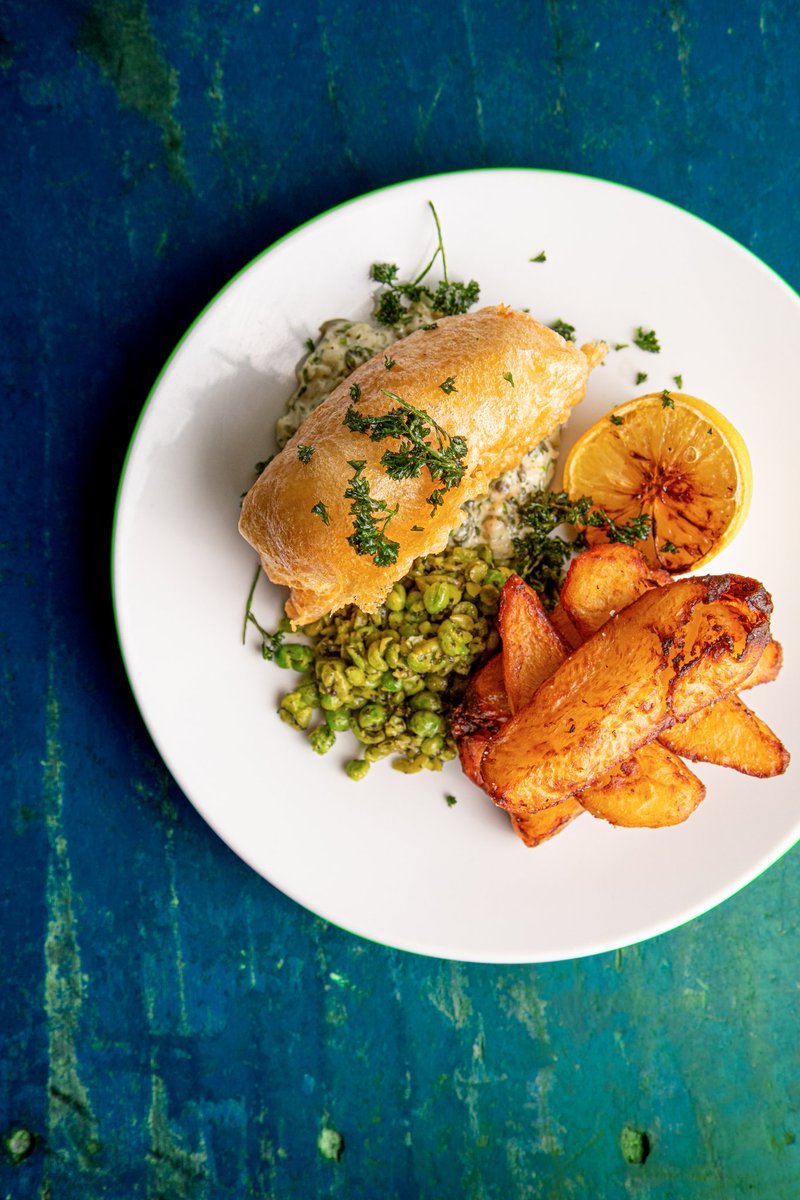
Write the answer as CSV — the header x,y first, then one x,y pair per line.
x,y
387,858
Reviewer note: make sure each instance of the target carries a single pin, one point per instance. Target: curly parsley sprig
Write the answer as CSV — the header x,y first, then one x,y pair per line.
x,y
412,428
448,299
369,530
540,555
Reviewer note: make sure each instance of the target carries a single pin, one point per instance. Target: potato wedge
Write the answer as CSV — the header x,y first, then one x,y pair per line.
x,y
564,627
611,577
532,649
729,734
659,660
483,710
650,790
604,580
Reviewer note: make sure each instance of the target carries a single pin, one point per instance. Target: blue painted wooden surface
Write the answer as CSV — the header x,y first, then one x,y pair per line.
x,y
172,1026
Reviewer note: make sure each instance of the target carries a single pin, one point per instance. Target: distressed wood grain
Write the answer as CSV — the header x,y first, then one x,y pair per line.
x,y
171,1025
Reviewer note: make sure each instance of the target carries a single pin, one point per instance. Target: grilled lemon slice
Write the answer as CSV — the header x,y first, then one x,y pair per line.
x,y
677,460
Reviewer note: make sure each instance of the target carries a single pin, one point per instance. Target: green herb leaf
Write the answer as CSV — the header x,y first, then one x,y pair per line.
x,y
668,548
641,376
567,331
449,385
384,272
321,511
509,378
355,392
309,344
260,467
678,382
417,529
304,453
621,345
646,339
388,362
369,530
615,420
451,800
540,257
666,400
540,555
433,325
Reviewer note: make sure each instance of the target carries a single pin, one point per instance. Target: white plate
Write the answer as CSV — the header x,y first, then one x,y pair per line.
x,y
387,858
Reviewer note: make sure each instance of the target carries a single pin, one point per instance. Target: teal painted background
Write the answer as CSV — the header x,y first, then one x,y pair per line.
x,y
171,1025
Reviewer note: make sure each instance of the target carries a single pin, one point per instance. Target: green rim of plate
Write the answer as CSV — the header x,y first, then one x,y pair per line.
x,y
684,920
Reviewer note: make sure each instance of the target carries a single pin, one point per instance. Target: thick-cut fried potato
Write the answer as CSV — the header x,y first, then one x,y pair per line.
x,y
768,666
535,828
483,710
605,580
532,649
745,743
659,660
647,791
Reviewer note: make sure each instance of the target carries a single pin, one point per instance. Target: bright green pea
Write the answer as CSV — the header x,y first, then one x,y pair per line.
x,y
389,683
425,700
355,675
337,719
321,739
301,657
407,766
436,597
330,703
396,600
356,769
308,694
432,745
372,716
424,724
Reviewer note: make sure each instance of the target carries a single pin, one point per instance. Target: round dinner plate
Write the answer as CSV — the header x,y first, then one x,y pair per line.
x,y
388,858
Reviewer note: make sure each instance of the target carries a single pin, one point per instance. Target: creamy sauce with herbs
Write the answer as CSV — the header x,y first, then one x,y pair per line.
x,y
491,520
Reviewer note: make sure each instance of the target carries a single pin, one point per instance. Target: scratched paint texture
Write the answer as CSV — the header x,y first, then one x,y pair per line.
x,y
172,1026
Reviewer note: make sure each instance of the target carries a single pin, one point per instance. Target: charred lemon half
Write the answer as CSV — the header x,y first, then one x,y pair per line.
x,y
675,459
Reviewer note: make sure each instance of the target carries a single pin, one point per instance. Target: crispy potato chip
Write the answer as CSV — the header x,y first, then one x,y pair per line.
x,y
659,660
650,790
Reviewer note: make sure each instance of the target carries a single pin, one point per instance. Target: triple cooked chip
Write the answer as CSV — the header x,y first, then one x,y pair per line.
x,y
676,649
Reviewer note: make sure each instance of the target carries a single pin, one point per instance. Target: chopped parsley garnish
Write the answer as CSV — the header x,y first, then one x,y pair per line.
x,y
509,378
678,381
668,548
417,529
449,385
448,299
567,331
449,799
666,400
411,427
355,392
388,362
320,510
433,325
304,453
615,420
641,376
369,530
261,466
621,345
646,339
540,555
540,257
309,344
